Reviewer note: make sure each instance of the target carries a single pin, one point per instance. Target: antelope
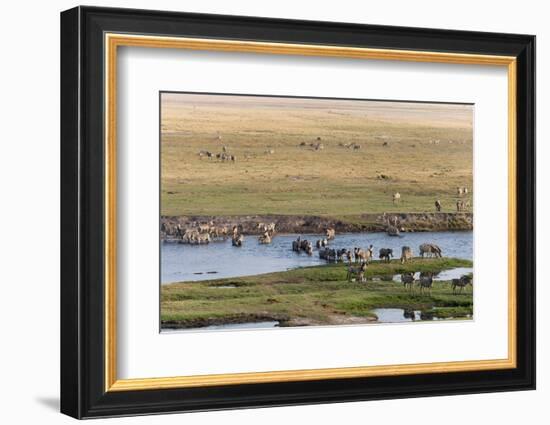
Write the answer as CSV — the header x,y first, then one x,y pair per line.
x,y
396,197
330,233
406,254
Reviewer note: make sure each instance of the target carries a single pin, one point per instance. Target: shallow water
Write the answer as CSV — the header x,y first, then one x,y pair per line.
x,y
395,315
180,262
398,315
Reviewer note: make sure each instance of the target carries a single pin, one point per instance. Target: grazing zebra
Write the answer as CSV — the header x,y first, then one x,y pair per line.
x,y
438,205
431,249
461,283
359,271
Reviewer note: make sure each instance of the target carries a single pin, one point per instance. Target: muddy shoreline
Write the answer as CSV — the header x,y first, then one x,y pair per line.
x,y
338,318
407,222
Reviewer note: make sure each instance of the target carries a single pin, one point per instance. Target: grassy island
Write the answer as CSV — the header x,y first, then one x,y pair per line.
x,y
318,295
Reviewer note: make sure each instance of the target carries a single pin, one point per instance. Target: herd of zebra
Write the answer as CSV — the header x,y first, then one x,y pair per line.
x,y
425,282
358,260
204,233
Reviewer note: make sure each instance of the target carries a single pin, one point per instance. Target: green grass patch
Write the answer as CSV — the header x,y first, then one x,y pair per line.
x,y
310,296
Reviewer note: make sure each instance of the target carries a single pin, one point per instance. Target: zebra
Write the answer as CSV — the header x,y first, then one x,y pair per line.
x,y
426,282
428,248
408,279
461,283
359,271
386,254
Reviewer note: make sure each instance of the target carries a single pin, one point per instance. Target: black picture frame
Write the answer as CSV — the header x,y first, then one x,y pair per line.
x,y
83,392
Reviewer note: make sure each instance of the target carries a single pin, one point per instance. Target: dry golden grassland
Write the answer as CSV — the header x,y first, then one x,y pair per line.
x,y
273,174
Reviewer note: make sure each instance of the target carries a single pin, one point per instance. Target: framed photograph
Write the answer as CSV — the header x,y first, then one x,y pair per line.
x,y
261,212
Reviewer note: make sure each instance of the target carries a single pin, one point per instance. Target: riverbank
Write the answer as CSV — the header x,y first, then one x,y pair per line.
x,y
409,222
307,296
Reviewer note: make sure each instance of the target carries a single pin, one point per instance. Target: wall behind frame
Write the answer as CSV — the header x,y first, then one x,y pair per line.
x,y
29,222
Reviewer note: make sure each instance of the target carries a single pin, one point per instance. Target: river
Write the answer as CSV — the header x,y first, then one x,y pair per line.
x,y
181,262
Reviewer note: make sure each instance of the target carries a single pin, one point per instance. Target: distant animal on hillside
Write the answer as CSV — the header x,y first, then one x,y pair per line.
x,y
357,271
396,197
461,191
438,205
330,233
385,254
430,250
406,254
